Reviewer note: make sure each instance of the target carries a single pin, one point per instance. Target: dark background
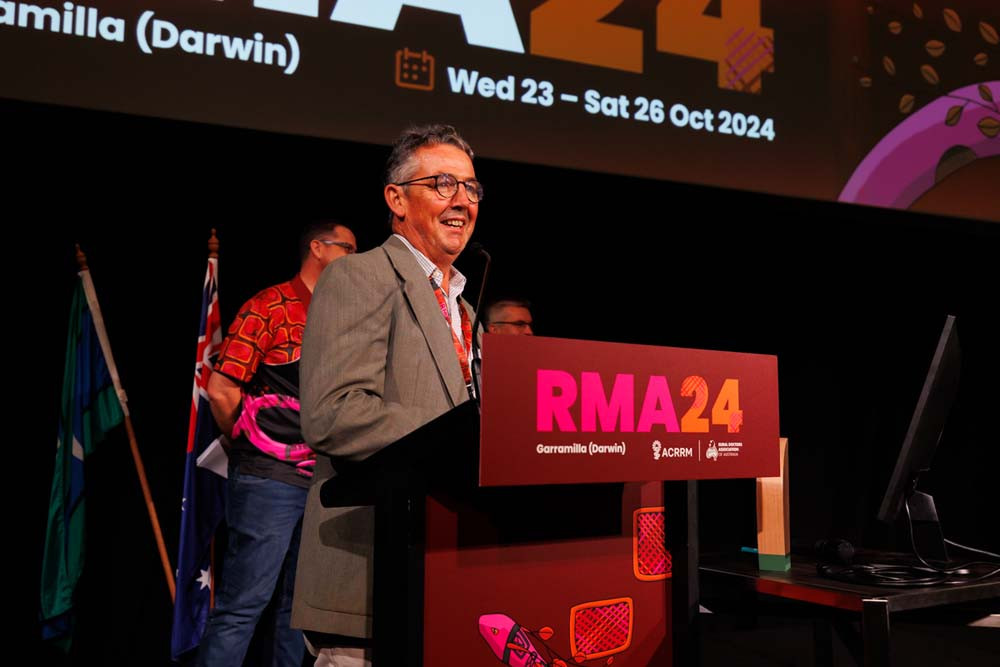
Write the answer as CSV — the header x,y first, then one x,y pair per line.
x,y
850,299
825,120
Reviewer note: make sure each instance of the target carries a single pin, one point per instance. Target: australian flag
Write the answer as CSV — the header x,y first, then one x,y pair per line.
x,y
203,503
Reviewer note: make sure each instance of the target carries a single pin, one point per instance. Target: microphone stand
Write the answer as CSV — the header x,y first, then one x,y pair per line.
x,y
477,356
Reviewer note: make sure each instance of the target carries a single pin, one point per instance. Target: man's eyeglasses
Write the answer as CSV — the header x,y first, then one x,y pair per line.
x,y
340,244
447,186
520,324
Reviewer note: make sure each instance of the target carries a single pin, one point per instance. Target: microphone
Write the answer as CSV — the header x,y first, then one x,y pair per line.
x,y
477,357
834,551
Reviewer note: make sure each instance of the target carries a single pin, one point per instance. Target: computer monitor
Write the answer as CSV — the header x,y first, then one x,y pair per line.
x,y
936,399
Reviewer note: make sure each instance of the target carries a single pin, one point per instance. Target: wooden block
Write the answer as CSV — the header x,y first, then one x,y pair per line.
x,y
773,533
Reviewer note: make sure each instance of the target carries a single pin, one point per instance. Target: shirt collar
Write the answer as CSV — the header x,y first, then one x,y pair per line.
x,y
300,289
457,281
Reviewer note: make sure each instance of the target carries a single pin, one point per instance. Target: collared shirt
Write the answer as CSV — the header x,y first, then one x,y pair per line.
x,y
456,285
261,353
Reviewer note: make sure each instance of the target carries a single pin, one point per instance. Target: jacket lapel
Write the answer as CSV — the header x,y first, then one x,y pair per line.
x,y
420,296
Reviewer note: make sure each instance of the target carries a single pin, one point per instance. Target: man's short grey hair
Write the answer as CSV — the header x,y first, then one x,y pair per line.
x,y
400,167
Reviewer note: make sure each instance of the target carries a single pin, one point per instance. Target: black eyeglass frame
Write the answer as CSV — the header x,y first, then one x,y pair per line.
x,y
516,323
476,189
340,244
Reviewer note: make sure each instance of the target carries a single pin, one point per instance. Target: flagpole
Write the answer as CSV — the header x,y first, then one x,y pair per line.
x,y
140,469
213,253
204,493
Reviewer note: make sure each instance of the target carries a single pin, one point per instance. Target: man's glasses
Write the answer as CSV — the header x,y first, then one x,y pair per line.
x,y
340,244
447,186
520,324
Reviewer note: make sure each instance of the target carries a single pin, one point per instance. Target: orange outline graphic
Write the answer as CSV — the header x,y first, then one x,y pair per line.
x,y
635,546
599,603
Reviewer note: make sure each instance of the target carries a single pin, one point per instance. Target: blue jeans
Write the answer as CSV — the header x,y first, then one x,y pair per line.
x,y
265,524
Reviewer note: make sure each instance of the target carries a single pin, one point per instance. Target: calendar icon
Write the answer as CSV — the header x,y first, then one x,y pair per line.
x,y
414,69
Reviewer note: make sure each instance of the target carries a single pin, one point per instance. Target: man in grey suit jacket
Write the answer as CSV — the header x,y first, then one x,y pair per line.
x,y
386,349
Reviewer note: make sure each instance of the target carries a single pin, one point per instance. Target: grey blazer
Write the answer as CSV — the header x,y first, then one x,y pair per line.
x,y
377,362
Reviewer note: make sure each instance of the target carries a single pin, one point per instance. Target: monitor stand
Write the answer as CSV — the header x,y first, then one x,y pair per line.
x,y
928,540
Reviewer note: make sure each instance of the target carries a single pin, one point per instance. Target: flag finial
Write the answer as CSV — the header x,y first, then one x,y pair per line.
x,y
213,245
81,258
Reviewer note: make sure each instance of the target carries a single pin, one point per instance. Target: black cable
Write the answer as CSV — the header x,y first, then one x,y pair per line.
x,y
962,569
973,550
886,574
955,569
975,579
883,574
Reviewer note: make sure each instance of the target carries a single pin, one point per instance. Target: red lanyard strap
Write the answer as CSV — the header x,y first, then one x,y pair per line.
x,y
461,351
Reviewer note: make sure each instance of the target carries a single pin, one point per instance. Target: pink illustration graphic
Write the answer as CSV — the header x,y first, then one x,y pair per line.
x,y
961,125
247,424
510,642
598,629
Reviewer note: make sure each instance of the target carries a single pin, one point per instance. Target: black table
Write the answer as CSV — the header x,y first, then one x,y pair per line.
x,y
875,604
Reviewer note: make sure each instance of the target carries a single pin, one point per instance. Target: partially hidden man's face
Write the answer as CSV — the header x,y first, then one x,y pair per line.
x,y
437,227
333,245
511,320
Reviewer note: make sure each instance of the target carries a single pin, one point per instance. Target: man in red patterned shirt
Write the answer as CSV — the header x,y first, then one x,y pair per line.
x,y
254,396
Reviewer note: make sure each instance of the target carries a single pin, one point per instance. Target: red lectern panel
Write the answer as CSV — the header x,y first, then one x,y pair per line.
x,y
560,411
490,602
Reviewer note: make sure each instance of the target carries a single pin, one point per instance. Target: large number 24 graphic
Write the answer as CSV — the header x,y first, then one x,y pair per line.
x,y
736,41
725,411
